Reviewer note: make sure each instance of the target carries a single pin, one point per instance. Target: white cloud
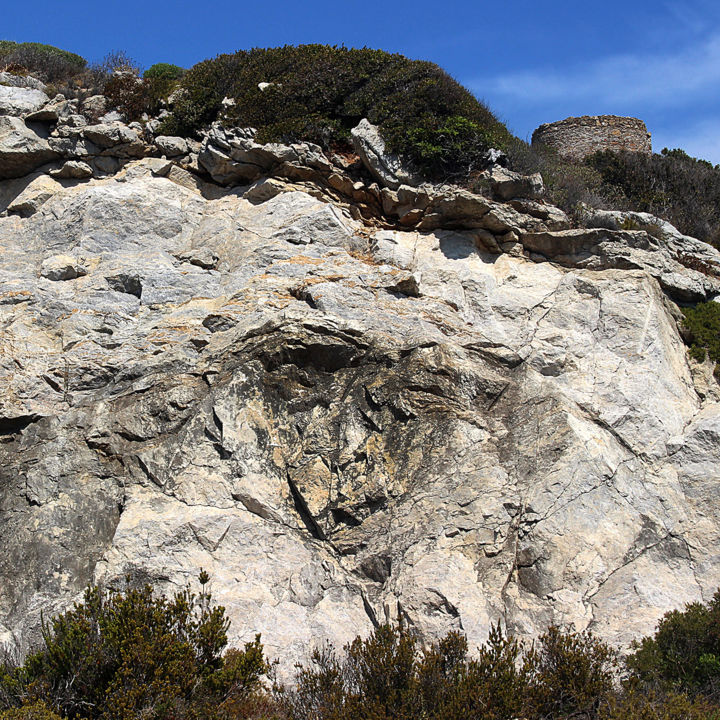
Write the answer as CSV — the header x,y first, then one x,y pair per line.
x,y
652,80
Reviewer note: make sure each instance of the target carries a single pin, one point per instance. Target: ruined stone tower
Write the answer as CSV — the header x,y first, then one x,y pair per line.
x,y
577,137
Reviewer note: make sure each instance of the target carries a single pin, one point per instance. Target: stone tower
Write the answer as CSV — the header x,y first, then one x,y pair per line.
x,y
577,137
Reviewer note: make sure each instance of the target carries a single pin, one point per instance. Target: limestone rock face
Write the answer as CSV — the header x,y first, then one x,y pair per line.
x,y
22,150
479,420
20,101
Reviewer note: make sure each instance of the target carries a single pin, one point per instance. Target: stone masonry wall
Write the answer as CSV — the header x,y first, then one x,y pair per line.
x,y
577,137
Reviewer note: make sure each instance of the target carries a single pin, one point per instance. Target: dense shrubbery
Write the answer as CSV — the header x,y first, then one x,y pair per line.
x,y
684,653
390,676
51,63
134,655
123,656
702,324
319,92
673,185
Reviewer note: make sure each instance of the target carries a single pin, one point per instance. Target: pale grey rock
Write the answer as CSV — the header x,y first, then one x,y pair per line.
x,y
107,135
34,195
552,217
112,117
22,150
57,110
73,169
662,257
115,139
20,101
21,81
62,267
264,189
387,168
345,426
507,184
232,157
95,106
171,146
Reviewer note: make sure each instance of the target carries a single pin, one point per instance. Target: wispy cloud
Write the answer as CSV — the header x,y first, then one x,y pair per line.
x,y
652,80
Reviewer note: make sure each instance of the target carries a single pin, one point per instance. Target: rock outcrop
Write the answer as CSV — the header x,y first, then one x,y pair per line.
x,y
348,403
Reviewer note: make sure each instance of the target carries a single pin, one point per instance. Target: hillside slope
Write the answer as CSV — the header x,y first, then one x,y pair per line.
x,y
347,402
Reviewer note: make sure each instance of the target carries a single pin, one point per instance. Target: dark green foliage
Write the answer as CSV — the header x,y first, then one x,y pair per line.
x,y
128,655
673,185
128,92
391,676
702,323
572,675
166,71
684,653
319,92
51,63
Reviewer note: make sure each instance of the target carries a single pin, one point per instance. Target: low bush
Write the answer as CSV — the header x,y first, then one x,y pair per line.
x,y
684,653
391,675
319,92
127,655
702,324
673,185
164,71
50,63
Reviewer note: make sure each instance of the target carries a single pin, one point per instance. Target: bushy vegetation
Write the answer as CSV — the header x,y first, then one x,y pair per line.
x,y
684,653
702,325
51,63
319,92
389,675
137,655
673,185
166,71
130,655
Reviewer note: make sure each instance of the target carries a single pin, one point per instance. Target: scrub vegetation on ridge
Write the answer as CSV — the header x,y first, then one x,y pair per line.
x,y
319,92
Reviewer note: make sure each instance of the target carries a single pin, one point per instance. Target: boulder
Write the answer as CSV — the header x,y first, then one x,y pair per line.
x,y
21,81
112,135
62,267
95,106
171,146
73,169
35,194
21,101
22,150
387,168
507,184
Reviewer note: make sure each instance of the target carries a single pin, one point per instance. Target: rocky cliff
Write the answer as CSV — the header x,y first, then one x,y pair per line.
x,y
347,398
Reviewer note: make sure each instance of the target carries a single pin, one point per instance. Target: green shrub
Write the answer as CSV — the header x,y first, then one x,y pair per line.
x,y
635,704
319,92
702,323
390,675
51,63
673,185
132,654
684,653
572,675
164,71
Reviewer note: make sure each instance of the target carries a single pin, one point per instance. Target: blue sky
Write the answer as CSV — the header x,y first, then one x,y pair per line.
x,y
532,62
